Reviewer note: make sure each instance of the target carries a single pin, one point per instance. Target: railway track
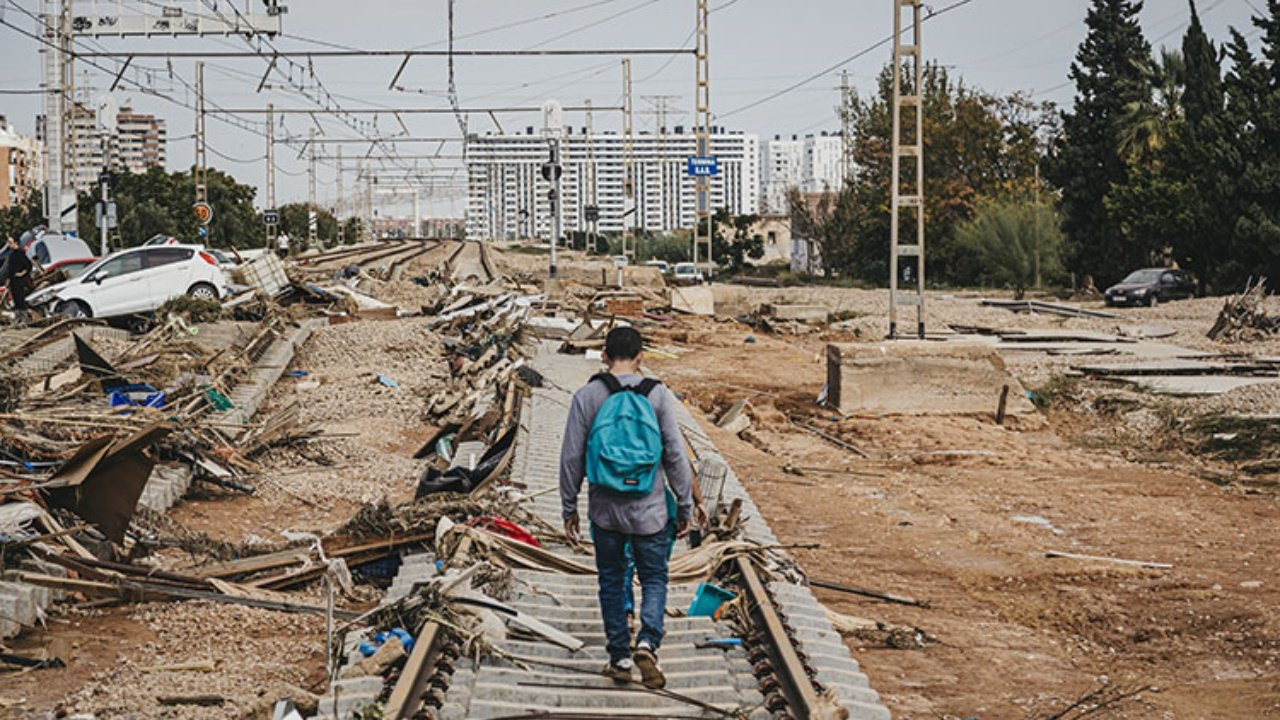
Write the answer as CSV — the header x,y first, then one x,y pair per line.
x,y
387,255
791,663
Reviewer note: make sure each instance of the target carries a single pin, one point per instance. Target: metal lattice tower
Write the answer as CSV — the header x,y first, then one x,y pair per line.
x,y
271,171
911,197
630,207
668,172
202,164
60,126
702,117
846,127
592,195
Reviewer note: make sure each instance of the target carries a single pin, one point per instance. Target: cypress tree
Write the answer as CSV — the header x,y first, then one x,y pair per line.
x,y
1085,163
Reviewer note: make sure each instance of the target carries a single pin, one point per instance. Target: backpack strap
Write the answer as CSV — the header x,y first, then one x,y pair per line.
x,y
610,381
645,386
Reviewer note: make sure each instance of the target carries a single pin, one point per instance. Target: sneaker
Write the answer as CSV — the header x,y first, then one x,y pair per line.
x,y
619,671
647,660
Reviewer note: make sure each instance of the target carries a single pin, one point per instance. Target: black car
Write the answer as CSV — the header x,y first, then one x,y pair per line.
x,y
1151,287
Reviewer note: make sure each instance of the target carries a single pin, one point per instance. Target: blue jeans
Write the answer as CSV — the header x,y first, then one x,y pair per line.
x,y
629,585
650,553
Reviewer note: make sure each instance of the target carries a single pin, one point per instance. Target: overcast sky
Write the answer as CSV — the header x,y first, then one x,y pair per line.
x,y
758,47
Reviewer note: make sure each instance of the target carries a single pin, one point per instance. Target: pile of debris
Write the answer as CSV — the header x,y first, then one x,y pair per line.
x,y
1244,317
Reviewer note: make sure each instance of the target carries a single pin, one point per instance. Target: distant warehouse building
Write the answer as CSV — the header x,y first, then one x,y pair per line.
x,y
507,195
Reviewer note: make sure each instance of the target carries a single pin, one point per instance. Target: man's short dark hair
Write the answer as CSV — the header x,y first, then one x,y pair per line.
x,y
623,343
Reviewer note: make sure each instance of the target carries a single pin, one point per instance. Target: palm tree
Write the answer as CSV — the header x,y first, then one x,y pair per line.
x,y
1145,125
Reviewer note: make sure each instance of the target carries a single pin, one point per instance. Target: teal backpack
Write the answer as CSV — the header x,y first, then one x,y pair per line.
x,y
624,447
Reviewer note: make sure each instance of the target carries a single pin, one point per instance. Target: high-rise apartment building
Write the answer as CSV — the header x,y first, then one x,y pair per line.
x,y
810,164
130,142
507,195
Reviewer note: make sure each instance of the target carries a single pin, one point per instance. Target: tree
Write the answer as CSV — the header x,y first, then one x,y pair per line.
x,y
1019,242
156,202
1253,166
976,145
1084,163
732,252
295,221
1146,124
21,217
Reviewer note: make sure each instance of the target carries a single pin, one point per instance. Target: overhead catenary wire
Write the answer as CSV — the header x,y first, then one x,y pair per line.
x,y
828,70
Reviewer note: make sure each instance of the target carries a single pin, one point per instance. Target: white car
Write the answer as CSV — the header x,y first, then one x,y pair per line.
x,y
137,280
686,273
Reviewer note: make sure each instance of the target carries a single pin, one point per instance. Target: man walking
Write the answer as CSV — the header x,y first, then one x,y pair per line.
x,y
16,271
622,436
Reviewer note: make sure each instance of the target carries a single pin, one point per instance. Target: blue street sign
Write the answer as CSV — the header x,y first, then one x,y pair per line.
x,y
704,166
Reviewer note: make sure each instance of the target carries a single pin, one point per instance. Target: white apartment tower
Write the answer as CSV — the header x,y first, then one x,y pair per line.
x,y
811,164
507,195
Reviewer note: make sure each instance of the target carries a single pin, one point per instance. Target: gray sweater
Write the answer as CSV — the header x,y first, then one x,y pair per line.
x,y
644,515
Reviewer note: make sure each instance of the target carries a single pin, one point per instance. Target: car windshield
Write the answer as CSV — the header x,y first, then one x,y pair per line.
x,y
75,269
1142,277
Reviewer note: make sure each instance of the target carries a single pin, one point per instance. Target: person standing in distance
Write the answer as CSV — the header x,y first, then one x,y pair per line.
x,y
623,438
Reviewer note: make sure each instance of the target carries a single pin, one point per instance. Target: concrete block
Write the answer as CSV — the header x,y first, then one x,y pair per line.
x,y
910,377
802,313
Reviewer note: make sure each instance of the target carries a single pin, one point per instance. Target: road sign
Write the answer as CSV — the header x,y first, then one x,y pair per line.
x,y
591,213
108,217
704,166
271,217
204,212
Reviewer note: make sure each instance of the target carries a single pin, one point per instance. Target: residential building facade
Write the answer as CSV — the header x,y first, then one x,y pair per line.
x,y
21,165
507,195
810,164
130,142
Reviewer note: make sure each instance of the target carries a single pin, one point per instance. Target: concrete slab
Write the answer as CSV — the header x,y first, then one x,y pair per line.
x,y
912,377
802,313
1193,384
693,300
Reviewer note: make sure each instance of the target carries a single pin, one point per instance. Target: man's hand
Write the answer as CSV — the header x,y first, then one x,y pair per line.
x,y
682,527
571,528
700,516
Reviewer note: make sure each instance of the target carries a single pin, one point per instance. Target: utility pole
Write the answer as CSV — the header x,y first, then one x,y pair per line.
x,y
846,126
59,118
272,213
370,212
592,210
914,193
553,171
629,209
702,231
105,211
201,164
341,208
313,219
417,213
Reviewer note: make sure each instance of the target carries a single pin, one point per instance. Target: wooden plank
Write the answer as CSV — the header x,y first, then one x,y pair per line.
x,y
1114,561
